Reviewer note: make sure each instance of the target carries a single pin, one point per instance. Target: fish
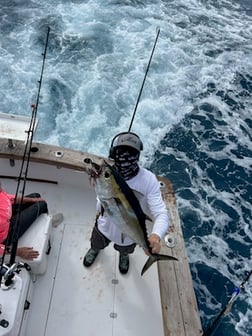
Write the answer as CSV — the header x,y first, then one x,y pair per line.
x,y
123,207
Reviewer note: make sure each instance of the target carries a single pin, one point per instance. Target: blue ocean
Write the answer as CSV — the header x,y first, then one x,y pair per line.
x,y
194,115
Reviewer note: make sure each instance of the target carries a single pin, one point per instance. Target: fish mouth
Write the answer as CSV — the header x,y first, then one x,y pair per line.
x,y
95,170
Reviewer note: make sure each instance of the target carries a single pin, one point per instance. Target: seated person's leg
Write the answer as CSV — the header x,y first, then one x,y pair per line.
x,y
28,216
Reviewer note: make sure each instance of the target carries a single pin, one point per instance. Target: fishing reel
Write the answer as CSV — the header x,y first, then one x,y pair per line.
x,y
8,274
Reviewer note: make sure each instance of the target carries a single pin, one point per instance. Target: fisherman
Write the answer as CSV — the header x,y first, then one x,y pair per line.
x,y
32,206
125,151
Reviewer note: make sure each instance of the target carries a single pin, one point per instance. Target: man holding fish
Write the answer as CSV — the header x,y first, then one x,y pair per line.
x,y
128,195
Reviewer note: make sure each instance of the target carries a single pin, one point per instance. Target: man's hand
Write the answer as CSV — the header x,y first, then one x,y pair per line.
x,y
27,253
154,240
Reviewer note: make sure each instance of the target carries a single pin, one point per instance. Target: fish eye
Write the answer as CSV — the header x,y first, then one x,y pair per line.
x,y
107,175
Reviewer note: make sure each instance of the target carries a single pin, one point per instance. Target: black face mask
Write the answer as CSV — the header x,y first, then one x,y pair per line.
x,y
126,162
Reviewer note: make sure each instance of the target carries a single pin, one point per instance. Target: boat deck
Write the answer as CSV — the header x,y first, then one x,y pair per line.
x,y
71,299
95,301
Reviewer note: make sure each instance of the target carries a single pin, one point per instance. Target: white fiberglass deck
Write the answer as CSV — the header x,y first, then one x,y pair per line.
x,y
72,300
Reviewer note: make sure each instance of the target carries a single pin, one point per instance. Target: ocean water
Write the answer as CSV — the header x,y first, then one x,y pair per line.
x,y
194,115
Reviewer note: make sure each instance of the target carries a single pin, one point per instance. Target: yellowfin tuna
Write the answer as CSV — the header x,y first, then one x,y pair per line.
x,y
121,204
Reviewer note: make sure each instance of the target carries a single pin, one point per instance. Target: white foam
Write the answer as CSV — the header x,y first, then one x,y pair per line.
x,y
175,79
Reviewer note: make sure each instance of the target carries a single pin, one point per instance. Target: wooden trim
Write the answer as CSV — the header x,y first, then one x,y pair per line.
x,y
179,305
51,155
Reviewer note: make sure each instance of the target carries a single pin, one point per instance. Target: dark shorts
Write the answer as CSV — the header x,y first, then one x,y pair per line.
x,y
99,242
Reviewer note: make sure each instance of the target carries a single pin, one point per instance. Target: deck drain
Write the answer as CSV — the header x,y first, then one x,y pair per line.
x,y
113,315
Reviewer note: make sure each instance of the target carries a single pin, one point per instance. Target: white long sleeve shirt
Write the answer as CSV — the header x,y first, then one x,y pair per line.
x,y
150,198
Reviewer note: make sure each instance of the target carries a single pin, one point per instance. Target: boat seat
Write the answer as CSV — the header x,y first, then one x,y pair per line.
x,y
38,236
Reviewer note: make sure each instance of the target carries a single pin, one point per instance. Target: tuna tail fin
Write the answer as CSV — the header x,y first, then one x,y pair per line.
x,y
153,258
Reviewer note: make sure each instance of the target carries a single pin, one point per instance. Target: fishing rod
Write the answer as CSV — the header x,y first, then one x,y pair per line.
x,y
27,153
145,75
210,330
